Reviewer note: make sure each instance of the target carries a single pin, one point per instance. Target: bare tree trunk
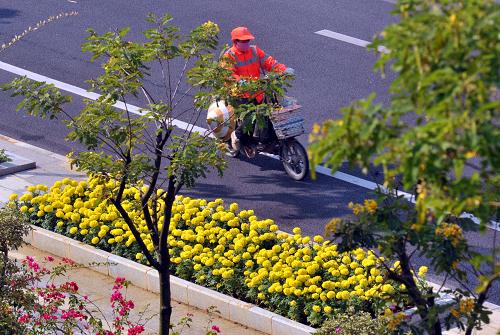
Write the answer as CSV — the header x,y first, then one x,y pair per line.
x,y
164,268
165,306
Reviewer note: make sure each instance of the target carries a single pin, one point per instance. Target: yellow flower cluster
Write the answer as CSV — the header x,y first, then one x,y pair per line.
x,y
217,246
451,232
369,206
394,320
465,307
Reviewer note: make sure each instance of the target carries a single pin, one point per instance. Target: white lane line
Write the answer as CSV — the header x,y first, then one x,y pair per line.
x,y
86,94
348,39
184,125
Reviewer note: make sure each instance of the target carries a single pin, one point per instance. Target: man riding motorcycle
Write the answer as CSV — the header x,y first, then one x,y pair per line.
x,y
246,63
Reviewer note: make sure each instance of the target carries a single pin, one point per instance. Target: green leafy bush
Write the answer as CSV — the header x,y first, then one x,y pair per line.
x,y
3,156
354,323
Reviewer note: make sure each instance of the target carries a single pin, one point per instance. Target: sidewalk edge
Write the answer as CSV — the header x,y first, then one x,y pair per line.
x,y
183,291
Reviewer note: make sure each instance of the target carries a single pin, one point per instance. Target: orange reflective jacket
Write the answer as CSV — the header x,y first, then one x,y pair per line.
x,y
248,64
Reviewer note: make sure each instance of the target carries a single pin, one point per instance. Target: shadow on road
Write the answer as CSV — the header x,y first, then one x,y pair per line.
x,y
6,13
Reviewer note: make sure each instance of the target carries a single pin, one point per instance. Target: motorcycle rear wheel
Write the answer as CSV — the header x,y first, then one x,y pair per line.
x,y
294,159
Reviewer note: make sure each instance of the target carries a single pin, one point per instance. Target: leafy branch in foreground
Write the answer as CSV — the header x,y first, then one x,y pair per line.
x,y
139,148
440,135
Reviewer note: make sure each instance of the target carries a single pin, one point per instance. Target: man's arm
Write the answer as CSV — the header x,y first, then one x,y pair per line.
x,y
268,63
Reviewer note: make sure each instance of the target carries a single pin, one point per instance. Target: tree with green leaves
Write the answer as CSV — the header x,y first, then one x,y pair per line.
x,y
145,151
439,136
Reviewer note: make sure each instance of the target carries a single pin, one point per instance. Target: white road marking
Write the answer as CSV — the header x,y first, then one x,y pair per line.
x,y
184,125
86,94
348,39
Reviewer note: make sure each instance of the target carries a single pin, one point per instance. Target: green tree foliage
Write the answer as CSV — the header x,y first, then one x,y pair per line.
x,y
440,133
144,149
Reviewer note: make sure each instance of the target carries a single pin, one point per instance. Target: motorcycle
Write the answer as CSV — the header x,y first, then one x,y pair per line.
x,y
278,137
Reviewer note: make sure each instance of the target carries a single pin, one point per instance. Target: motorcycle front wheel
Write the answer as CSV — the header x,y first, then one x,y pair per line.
x,y
294,158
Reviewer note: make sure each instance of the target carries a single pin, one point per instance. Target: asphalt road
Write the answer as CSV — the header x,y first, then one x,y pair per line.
x,y
330,75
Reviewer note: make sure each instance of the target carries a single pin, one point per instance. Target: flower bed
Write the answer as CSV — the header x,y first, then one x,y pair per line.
x,y
223,248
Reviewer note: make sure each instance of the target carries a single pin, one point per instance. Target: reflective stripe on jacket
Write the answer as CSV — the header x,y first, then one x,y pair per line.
x,y
249,64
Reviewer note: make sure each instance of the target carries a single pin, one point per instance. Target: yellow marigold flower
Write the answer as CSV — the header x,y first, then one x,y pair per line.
x,y
318,239
367,262
95,240
422,271
296,230
370,206
26,197
293,303
75,217
73,230
23,209
387,288
13,197
41,187
316,308
139,256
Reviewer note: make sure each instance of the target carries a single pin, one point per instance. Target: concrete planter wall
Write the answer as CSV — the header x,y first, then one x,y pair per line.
x,y
182,291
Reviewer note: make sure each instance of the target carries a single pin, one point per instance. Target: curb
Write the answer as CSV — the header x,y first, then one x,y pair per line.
x,y
16,164
182,290
32,147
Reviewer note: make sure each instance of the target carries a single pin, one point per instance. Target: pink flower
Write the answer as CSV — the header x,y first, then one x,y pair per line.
x,y
119,282
338,330
216,328
49,258
68,261
72,314
70,286
31,263
24,318
116,296
137,329
46,316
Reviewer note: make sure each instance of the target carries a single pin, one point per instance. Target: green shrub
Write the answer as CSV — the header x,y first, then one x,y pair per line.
x,y
3,156
354,323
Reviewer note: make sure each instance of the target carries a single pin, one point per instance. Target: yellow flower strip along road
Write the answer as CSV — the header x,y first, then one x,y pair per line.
x,y
221,247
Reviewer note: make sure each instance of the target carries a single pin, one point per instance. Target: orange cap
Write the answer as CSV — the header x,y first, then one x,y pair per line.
x,y
241,33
